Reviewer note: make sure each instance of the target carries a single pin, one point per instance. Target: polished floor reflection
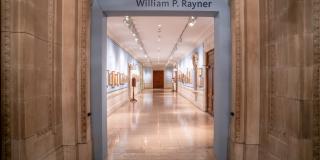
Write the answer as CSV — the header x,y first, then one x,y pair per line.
x,y
160,126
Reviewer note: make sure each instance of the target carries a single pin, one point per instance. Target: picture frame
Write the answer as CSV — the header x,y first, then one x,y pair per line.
x,y
107,78
116,78
113,78
119,76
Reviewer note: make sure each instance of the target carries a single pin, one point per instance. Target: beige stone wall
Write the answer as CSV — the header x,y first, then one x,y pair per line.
x,y
44,79
30,79
275,47
313,34
290,80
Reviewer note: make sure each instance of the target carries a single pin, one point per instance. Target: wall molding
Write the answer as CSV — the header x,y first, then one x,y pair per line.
x,y
6,80
83,52
237,49
51,26
316,79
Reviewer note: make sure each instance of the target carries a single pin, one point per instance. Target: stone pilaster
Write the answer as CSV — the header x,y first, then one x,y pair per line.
x,y
246,80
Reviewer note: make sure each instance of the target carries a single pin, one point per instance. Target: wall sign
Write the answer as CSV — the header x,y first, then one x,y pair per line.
x,y
174,3
158,5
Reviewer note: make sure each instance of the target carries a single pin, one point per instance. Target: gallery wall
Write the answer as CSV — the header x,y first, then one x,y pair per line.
x,y
168,77
118,61
186,80
148,77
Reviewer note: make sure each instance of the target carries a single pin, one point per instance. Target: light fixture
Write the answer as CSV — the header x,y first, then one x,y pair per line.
x,y
132,29
126,20
159,25
191,24
192,21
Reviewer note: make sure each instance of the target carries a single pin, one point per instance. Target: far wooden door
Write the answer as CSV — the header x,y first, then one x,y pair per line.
x,y
158,79
209,80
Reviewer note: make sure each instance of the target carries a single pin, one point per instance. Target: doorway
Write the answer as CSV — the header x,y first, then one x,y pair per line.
x,y
222,73
158,79
210,81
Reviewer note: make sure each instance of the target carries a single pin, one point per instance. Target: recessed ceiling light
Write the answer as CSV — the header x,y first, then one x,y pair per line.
x,y
192,21
159,25
136,39
134,34
191,24
145,56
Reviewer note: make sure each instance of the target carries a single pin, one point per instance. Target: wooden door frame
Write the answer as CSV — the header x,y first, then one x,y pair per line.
x,y
206,79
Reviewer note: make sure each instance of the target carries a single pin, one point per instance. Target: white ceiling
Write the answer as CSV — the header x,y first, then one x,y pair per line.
x,y
159,51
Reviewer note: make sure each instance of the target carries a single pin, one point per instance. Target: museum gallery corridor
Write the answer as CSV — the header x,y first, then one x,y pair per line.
x,y
245,77
160,126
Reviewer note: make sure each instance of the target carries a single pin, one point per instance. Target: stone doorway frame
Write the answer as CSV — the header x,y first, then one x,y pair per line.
x,y
222,74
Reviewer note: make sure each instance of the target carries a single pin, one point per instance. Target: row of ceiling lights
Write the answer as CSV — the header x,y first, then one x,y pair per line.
x,y
133,30
159,39
191,22
129,22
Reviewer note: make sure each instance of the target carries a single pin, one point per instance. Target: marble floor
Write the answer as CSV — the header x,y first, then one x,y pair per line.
x,y
160,126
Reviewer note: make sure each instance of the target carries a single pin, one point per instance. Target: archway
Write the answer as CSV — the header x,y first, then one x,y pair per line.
x,y
219,9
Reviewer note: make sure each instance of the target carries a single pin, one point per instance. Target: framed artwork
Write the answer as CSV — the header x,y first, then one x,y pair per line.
x,y
183,78
200,72
188,76
123,78
113,78
117,79
107,78
119,76
200,78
